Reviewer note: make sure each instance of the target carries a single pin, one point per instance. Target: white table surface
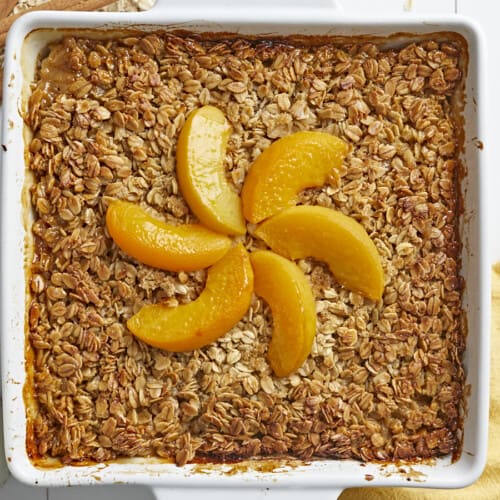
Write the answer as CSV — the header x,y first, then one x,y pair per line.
x,y
487,13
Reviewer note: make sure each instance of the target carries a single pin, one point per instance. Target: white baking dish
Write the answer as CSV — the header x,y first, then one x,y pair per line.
x,y
326,478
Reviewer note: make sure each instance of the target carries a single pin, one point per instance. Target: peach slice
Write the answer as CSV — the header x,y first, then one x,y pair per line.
x,y
289,165
200,171
222,303
331,236
153,242
287,292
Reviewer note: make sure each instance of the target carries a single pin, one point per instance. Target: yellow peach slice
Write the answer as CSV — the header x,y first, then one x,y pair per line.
x,y
153,242
200,170
289,165
222,303
287,292
330,236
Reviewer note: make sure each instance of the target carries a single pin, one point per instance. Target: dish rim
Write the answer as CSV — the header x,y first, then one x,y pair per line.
x,y
20,465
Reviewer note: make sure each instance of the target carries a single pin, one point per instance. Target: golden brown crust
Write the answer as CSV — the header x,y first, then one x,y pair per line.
x,y
384,381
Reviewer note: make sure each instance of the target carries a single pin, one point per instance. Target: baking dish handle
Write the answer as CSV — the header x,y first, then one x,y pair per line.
x,y
237,4
163,493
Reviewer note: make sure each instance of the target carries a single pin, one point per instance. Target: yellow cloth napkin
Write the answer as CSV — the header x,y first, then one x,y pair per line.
x,y
488,485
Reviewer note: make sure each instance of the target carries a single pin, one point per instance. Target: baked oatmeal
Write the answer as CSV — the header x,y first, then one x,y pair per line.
x,y
384,380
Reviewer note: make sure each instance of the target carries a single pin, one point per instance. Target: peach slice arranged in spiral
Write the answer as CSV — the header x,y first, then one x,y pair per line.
x,y
222,303
286,290
330,236
200,170
286,167
151,241
270,193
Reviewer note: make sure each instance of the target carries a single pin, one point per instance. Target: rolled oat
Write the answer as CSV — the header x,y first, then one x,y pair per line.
x,y
384,380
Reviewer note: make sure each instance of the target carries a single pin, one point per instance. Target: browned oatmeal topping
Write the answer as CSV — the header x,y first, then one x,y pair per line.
x,y
384,381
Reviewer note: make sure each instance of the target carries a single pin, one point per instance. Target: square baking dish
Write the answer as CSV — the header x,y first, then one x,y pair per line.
x,y
28,36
